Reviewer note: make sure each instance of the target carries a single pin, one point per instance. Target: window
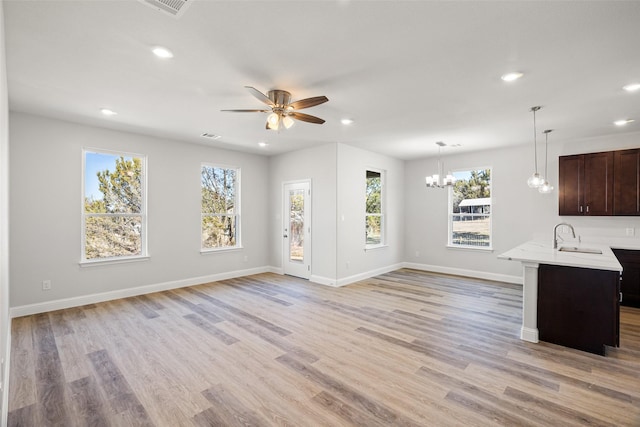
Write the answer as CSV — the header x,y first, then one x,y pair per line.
x,y
220,207
470,209
374,215
114,206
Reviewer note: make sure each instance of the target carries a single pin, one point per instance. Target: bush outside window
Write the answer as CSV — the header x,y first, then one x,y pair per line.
x,y
114,206
220,222
374,209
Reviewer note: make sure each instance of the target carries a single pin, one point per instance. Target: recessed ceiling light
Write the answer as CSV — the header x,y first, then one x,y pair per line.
x,y
346,121
162,52
632,87
108,112
211,135
623,122
262,144
509,77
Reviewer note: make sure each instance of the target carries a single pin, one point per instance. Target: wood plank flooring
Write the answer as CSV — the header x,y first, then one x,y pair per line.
x,y
406,348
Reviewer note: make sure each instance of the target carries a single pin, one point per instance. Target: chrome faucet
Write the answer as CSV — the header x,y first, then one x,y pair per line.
x,y
555,233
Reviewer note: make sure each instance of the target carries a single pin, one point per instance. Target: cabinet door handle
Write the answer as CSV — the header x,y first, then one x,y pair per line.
x,y
580,208
620,297
587,208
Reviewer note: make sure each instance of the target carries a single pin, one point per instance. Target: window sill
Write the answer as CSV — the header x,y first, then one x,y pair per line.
x,y
373,248
219,250
110,261
471,248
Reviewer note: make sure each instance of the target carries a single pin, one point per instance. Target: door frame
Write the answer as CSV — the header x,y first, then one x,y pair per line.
x,y
308,228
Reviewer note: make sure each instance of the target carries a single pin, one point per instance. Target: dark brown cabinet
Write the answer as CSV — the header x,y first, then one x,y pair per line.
x,y
626,166
630,285
579,307
586,184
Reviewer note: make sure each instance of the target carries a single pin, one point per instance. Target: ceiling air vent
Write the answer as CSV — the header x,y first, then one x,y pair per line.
x,y
171,7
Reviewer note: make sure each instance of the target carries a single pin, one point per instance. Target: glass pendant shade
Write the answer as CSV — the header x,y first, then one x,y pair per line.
x,y
545,188
273,121
449,179
287,121
535,180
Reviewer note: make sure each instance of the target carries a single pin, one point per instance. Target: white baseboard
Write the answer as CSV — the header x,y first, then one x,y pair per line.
x,y
464,272
367,274
276,270
323,281
338,283
423,267
529,334
25,310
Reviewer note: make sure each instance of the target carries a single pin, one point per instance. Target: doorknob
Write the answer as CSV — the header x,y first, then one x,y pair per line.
x,y
285,236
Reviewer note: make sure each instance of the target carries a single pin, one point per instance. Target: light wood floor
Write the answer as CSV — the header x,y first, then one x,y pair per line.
x,y
405,348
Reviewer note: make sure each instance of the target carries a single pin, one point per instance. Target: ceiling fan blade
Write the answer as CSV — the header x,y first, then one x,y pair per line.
x,y
306,118
261,96
248,111
308,102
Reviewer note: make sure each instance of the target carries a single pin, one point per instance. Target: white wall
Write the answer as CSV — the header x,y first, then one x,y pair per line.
x,y
352,259
519,213
337,174
4,224
45,200
319,165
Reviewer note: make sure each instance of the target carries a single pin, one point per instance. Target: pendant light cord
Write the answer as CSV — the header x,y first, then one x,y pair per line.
x,y
546,151
535,142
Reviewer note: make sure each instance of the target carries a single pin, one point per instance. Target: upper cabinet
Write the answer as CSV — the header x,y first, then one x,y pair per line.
x,y
626,182
586,184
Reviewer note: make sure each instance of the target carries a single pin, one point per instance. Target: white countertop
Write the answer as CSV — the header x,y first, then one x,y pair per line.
x,y
543,253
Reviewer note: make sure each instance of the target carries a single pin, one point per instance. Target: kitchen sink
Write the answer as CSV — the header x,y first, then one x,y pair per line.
x,y
580,250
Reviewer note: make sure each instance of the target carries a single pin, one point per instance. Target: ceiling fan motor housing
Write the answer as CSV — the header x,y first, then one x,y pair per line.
x,y
279,97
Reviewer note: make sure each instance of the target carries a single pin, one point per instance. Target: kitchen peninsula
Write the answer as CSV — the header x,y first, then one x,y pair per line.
x,y
570,294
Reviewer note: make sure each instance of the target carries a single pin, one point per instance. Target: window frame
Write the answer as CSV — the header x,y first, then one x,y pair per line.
x,y
383,209
236,209
451,214
143,214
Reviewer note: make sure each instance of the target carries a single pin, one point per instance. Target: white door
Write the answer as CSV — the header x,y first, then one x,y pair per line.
x,y
296,235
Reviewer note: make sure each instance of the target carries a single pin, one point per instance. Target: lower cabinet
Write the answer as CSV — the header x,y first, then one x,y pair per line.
x,y
579,307
630,286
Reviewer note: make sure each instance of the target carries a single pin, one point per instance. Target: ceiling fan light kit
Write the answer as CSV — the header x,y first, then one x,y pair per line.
x,y
282,110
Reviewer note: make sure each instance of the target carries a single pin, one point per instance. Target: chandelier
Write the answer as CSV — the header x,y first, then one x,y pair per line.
x,y
438,179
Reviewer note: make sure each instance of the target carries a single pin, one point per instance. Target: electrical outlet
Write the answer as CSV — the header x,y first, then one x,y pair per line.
x,y
417,254
348,264
630,231
246,258
46,285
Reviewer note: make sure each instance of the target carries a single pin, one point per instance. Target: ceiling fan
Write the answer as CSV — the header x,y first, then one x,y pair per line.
x,y
282,109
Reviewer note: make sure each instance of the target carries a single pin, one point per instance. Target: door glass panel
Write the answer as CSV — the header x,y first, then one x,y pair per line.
x,y
296,225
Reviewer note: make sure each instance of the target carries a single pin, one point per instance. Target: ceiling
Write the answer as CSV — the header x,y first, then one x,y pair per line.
x,y
409,73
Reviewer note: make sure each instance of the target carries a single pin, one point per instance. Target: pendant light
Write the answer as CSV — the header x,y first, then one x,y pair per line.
x,y
437,180
546,188
535,180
